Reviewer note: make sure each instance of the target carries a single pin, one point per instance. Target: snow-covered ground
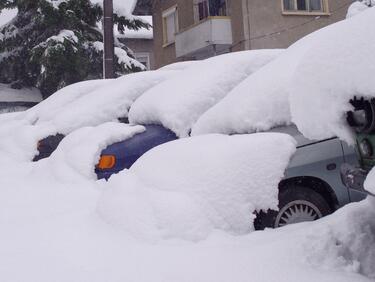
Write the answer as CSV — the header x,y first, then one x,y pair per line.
x,y
7,94
170,218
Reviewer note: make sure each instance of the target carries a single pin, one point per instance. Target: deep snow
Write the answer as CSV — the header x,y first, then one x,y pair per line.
x,y
58,224
188,188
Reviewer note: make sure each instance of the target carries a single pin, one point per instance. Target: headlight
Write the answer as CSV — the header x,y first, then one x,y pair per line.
x,y
365,148
106,162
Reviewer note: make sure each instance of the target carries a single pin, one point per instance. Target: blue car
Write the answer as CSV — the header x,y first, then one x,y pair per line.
x,y
121,155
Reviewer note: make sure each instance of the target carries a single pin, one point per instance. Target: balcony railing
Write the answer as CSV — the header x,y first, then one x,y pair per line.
x,y
204,39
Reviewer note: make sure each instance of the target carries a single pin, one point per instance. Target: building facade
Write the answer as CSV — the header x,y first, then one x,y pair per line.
x,y
198,29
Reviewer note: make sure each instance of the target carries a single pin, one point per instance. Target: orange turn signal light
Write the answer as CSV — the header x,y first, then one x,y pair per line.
x,y
106,162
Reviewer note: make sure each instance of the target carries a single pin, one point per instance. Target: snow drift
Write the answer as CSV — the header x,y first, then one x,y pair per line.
x,y
179,102
187,188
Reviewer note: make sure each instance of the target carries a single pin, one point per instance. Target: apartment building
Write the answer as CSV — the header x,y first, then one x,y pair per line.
x,y
198,29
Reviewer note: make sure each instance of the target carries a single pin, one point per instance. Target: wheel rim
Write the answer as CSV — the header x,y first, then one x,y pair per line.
x,y
297,211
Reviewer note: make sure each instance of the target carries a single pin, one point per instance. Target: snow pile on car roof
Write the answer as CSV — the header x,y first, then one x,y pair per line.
x,y
179,102
187,188
97,104
87,103
261,101
338,64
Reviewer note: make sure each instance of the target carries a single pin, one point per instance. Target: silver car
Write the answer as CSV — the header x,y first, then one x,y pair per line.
x,y
312,186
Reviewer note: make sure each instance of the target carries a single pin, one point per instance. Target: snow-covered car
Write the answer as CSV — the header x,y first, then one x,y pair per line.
x,y
96,102
311,188
89,103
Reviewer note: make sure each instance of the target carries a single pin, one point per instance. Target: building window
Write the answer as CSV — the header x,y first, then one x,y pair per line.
x,y
170,25
209,8
144,59
309,6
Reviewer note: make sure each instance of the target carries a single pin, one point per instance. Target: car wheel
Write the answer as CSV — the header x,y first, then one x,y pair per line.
x,y
296,204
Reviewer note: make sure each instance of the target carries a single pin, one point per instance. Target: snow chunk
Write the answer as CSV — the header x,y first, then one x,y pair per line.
x,y
370,182
338,65
121,7
64,35
179,102
344,241
122,56
79,152
183,189
6,15
358,7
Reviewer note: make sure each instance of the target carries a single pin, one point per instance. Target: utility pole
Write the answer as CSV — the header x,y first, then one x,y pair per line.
x,y
108,58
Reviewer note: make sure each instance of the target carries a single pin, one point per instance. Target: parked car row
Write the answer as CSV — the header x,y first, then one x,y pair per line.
x,y
315,182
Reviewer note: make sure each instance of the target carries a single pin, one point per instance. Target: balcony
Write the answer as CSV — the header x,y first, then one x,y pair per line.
x,y
207,38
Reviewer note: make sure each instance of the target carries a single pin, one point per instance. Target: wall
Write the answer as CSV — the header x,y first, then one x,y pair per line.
x,y
166,54
269,28
256,24
142,46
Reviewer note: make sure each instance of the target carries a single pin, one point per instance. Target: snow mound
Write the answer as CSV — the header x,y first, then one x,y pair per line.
x,y
261,101
344,241
358,7
338,65
187,188
179,102
79,152
100,105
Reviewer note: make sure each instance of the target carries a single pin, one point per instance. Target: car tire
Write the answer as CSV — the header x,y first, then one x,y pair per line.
x,y
296,204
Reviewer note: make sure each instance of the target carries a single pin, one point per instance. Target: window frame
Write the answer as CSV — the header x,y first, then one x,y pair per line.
x,y
144,55
172,10
197,15
323,12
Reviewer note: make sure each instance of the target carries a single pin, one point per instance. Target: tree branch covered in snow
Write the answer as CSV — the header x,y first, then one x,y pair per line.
x,y
50,44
